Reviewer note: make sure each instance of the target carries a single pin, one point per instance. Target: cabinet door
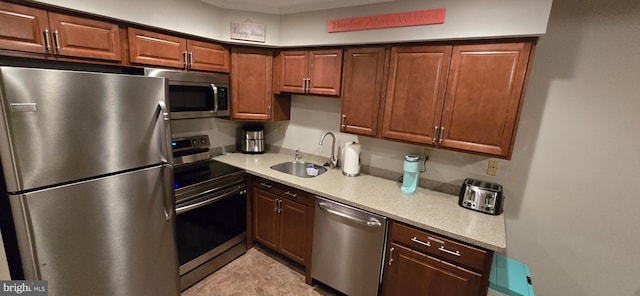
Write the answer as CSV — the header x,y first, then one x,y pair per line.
x,y
415,92
208,56
408,272
363,89
22,28
294,69
156,49
325,67
293,228
484,92
251,84
265,218
87,38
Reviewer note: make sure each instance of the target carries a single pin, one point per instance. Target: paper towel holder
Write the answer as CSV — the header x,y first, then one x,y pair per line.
x,y
351,159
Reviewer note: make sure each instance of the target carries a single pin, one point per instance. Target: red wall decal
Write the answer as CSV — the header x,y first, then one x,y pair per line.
x,y
391,20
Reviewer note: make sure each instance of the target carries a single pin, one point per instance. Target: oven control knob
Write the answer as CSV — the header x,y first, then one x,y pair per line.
x,y
195,142
203,141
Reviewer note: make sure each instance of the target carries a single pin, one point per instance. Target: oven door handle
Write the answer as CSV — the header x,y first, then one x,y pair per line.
x,y
225,193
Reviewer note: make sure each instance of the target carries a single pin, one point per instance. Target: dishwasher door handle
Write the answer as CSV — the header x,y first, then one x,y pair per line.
x,y
369,223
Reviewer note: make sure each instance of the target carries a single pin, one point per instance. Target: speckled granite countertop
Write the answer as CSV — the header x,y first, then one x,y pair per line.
x,y
426,209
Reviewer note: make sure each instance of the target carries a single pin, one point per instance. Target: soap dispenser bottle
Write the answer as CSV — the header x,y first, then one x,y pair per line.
x,y
411,173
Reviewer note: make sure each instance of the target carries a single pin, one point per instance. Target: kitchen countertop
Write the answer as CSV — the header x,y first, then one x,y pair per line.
x,y
426,209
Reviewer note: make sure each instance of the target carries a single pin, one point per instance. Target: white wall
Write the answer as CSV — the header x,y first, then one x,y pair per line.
x,y
572,207
464,19
186,16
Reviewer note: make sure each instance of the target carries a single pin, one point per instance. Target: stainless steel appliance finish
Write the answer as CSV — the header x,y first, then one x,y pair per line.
x,y
194,94
481,196
252,140
348,248
86,160
211,205
190,149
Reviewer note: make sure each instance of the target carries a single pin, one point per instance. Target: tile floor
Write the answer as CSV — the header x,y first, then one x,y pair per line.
x,y
257,272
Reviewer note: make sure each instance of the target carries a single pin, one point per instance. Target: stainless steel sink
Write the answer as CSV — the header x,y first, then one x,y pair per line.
x,y
298,168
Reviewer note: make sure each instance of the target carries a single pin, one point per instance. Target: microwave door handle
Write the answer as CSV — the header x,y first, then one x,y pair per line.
x,y
215,97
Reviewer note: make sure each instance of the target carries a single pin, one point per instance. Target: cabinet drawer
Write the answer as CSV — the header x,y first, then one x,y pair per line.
x,y
439,246
281,190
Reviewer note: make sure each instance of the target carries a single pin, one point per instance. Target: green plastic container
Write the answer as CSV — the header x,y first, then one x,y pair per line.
x,y
509,277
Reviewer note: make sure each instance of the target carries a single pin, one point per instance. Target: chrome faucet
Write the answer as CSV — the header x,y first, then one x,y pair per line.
x,y
297,156
333,161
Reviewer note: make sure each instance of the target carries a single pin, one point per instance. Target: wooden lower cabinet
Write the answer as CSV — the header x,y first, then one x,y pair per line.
x,y
283,220
414,273
421,263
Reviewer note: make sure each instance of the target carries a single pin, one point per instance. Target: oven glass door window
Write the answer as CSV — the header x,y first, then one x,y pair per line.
x,y
205,228
191,98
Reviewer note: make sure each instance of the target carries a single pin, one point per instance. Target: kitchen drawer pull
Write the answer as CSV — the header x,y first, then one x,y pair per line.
x,y
291,194
456,253
266,185
416,240
391,255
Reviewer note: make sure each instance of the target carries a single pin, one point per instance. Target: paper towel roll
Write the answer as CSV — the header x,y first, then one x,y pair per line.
x,y
351,164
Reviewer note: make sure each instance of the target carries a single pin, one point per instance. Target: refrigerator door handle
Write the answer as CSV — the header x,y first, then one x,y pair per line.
x,y
166,132
167,195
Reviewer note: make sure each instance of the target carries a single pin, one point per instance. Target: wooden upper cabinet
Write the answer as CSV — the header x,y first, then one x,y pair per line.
x,y
151,48
251,84
81,37
23,28
294,71
484,95
415,92
311,72
208,56
363,88
35,30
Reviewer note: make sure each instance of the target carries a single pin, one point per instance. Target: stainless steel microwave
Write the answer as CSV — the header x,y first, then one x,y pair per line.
x,y
195,94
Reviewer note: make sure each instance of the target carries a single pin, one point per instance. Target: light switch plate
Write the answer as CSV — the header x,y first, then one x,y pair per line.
x,y
493,167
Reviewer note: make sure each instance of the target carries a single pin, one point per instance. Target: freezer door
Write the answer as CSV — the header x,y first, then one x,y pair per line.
x,y
59,126
108,236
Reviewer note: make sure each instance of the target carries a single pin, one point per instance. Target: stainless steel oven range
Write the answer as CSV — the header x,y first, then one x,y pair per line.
x,y
211,219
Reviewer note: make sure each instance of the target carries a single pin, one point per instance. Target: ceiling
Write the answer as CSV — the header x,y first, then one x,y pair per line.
x,y
287,6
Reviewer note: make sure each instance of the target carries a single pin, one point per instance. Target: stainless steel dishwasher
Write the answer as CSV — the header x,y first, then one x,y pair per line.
x,y
348,246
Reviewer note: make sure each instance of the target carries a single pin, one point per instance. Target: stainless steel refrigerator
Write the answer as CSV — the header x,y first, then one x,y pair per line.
x,y
86,161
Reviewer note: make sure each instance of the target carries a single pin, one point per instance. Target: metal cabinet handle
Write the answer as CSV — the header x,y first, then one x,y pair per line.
x,y
435,134
416,240
441,134
291,194
370,223
391,255
215,97
344,116
456,253
190,59
269,112
278,205
266,185
47,39
185,59
56,39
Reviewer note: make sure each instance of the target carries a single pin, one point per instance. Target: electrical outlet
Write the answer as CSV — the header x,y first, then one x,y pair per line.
x,y
493,167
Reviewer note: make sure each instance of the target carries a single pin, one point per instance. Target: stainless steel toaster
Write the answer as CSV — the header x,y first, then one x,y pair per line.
x,y
481,196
